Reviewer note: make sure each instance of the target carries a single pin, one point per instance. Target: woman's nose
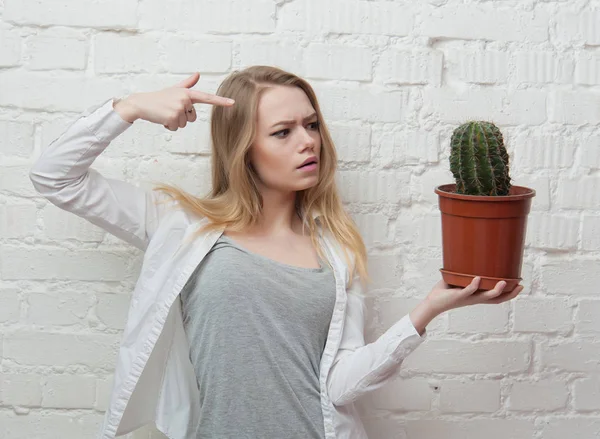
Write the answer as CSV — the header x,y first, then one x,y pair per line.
x,y
307,140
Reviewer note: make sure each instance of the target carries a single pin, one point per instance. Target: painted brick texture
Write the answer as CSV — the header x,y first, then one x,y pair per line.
x,y
394,79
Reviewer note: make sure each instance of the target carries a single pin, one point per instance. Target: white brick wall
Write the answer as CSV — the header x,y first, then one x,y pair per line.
x,y
394,78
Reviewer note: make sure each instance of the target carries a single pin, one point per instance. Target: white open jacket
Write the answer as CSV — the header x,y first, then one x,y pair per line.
x,y
154,378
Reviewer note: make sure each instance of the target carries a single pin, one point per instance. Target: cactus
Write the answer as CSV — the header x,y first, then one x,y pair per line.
x,y
478,160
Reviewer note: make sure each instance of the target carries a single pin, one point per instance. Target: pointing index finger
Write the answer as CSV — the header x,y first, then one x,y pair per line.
x,y
200,97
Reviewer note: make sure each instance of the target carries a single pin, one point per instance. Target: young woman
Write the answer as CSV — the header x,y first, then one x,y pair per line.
x,y
247,318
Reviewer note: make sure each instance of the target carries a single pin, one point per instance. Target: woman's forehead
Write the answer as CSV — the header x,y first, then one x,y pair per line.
x,y
283,103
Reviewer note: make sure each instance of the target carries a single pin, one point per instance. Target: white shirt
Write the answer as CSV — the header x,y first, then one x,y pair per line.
x,y
154,379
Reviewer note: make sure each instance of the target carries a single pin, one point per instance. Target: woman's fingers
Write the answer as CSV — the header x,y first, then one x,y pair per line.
x,y
191,114
506,296
471,288
200,97
190,81
182,119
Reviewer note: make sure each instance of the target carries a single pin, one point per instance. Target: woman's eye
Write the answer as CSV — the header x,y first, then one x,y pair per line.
x,y
315,125
277,134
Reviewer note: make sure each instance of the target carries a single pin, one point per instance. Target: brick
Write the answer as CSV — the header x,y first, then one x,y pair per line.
x,y
482,22
211,16
590,152
578,193
373,228
17,220
543,68
10,306
385,270
493,428
543,315
112,309
573,427
20,389
586,317
574,107
60,224
560,276
536,152
521,107
346,103
587,69
21,89
469,396
479,319
183,55
586,393
190,176
97,351
590,239
284,55
325,61
69,392
27,264
552,231
53,50
374,186
107,14
18,139
352,141
408,148
424,185
538,395
137,53
454,356
539,183
485,67
412,67
420,230
571,356
354,17
11,48
66,308
579,27
376,426
49,426
14,180
144,138
413,394
104,387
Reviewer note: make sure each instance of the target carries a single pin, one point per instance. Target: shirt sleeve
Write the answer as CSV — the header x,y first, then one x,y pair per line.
x,y
62,174
359,368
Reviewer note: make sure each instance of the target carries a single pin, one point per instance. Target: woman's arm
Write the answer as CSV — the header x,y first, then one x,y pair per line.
x,y
360,368
62,174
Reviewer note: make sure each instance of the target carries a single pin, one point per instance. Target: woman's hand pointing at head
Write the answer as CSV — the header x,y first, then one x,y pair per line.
x,y
172,107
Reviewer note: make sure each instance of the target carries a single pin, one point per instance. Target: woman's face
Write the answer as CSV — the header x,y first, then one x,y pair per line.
x,y
287,135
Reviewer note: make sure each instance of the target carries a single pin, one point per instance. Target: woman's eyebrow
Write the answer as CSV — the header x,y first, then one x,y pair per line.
x,y
289,122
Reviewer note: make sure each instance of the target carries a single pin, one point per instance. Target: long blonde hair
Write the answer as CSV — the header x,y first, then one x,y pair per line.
x,y
235,202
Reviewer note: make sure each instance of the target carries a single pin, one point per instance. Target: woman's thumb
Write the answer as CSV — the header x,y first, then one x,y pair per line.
x,y
189,81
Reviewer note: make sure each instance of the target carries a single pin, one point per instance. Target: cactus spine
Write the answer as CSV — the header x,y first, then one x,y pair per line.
x,y
478,160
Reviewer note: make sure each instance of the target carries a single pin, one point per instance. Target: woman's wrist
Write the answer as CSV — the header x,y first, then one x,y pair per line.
x,y
126,109
422,315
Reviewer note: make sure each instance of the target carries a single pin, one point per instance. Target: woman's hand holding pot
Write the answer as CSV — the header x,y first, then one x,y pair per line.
x,y
443,298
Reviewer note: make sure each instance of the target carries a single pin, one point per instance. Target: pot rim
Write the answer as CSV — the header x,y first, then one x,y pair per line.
x,y
443,190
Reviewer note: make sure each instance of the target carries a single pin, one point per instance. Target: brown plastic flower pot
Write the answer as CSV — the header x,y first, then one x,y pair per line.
x,y
483,236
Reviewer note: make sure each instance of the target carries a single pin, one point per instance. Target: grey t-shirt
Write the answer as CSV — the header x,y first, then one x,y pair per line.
x,y
257,329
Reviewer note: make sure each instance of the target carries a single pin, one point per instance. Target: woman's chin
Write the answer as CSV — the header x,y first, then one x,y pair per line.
x,y
308,183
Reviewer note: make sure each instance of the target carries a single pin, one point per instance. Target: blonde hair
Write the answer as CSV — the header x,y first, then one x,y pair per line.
x,y
234,200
